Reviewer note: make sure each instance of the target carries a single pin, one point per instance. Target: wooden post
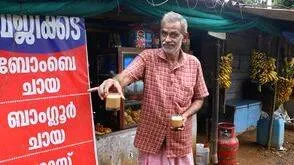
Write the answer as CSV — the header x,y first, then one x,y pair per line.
x,y
224,90
273,102
215,111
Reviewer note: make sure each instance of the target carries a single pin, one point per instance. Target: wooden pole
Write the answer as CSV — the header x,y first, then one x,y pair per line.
x,y
224,90
273,102
215,110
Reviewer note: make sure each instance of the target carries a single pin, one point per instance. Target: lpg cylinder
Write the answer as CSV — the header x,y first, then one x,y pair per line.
x,y
228,144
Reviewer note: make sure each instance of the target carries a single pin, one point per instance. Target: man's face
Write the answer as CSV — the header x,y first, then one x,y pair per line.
x,y
171,37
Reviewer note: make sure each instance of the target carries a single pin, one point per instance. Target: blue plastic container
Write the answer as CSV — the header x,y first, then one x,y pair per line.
x,y
277,134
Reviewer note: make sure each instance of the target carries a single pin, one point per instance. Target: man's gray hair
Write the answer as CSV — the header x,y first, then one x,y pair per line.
x,y
172,17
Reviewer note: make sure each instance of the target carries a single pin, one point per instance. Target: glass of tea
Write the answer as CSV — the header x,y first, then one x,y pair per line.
x,y
177,121
113,101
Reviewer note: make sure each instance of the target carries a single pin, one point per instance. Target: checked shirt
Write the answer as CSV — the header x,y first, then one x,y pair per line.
x,y
168,89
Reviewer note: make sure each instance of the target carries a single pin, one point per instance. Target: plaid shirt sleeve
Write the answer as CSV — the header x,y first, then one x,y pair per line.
x,y
200,89
135,71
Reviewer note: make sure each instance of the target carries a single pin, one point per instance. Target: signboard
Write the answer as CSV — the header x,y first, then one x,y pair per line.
x,y
45,110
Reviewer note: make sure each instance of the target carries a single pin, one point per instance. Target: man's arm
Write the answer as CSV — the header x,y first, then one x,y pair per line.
x,y
119,81
132,73
122,79
194,108
200,92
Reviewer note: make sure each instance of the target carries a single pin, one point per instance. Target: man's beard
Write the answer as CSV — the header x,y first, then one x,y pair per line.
x,y
171,49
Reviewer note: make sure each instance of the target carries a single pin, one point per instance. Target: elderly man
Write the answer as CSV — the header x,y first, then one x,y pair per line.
x,y
173,84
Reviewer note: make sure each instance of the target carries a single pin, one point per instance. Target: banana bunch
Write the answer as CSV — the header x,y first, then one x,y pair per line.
x,y
284,89
224,77
288,69
263,68
286,83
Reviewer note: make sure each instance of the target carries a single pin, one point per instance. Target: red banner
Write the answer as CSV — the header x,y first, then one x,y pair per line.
x,y
45,110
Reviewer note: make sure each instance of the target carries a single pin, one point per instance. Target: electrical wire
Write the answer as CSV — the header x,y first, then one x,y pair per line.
x,y
188,4
210,7
156,4
196,3
177,2
118,7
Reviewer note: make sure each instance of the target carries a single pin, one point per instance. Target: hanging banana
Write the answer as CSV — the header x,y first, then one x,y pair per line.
x,y
286,83
224,77
263,68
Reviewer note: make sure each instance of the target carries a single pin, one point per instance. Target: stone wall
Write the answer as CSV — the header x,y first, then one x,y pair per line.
x,y
117,148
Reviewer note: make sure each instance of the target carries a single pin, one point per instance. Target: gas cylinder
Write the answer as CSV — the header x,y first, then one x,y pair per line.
x,y
228,144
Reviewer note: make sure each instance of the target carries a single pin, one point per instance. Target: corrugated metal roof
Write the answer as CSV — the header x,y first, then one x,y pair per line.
x,y
280,14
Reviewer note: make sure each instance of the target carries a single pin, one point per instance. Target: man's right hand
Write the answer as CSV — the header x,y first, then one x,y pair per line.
x,y
103,89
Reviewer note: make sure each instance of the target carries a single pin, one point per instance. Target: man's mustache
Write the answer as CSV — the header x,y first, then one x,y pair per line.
x,y
167,44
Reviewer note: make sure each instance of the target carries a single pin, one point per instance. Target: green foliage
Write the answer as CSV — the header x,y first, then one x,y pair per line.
x,y
285,3
250,1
